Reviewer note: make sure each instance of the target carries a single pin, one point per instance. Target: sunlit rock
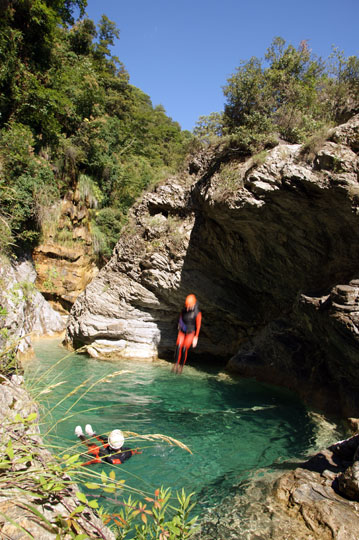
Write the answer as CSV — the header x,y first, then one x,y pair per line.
x,y
269,245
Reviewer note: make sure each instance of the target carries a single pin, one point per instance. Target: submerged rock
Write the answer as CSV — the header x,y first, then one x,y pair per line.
x,y
305,503
269,246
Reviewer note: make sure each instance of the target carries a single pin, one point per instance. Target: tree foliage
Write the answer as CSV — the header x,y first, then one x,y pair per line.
x,y
67,109
291,94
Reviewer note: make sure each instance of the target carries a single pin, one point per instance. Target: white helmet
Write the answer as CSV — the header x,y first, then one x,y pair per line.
x,y
116,439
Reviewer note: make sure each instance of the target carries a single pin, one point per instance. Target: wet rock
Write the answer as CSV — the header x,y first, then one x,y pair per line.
x,y
348,482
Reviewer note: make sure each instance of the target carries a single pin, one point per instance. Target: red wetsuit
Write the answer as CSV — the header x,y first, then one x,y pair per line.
x,y
189,326
105,452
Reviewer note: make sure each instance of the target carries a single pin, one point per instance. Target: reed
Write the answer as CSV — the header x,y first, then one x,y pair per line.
x,y
36,472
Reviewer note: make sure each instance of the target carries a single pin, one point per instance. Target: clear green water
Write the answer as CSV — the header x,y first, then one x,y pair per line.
x,y
233,427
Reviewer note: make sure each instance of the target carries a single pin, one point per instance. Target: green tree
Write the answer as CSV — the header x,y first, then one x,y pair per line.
x,y
285,91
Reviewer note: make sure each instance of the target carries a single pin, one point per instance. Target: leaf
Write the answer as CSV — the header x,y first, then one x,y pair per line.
x,y
81,497
173,528
93,504
10,450
31,417
81,537
72,459
144,518
112,475
78,510
18,418
103,477
24,459
91,485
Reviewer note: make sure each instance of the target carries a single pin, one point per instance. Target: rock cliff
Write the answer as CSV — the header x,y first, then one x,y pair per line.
x,y
270,246
24,311
65,261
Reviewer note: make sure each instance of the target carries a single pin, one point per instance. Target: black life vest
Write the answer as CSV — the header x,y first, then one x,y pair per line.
x,y
188,318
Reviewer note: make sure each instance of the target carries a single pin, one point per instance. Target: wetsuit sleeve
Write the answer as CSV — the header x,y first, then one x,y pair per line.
x,y
198,323
121,457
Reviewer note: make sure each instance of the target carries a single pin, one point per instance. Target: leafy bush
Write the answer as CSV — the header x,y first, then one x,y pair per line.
x,y
292,95
105,230
73,102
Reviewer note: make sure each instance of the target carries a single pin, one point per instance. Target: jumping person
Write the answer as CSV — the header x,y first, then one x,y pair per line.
x,y
111,449
189,325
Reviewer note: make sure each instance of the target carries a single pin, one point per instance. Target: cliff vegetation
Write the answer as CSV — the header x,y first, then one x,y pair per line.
x,y
72,125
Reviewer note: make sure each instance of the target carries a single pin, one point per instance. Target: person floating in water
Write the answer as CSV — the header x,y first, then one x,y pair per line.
x,y
111,449
189,325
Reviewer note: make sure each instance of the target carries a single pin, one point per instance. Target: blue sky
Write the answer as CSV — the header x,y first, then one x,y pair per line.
x,y
181,53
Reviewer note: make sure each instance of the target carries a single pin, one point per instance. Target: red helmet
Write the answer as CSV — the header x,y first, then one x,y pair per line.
x,y
190,301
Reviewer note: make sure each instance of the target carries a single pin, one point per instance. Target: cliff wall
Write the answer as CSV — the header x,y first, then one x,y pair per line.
x,y
270,247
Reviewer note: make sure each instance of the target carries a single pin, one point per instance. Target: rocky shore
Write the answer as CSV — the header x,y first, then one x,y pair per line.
x,y
27,506
314,500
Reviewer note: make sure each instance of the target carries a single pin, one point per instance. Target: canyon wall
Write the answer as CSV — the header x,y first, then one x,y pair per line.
x,y
269,245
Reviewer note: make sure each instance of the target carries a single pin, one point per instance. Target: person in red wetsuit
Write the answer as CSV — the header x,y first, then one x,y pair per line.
x,y
189,325
111,449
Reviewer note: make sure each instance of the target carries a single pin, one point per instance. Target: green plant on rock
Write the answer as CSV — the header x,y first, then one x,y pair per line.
x,y
260,158
21,291
51,275
314,143
228,180
89,191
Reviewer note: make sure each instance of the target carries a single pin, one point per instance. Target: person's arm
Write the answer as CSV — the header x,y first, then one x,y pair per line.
x,y
198,328
198,323
121,457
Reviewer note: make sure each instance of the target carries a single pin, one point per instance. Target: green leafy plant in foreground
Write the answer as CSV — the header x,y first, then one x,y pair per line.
x,y
156,518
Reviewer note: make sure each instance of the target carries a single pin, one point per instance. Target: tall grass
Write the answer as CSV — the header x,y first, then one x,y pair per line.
x,y
45,472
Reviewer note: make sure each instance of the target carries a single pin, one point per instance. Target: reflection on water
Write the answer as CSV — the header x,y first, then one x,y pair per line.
x,y
233,427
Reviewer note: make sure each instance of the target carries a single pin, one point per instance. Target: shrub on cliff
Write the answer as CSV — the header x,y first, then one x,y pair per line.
x,y
290,95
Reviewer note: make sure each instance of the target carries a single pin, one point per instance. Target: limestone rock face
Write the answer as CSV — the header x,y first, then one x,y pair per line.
x,y
63,273
269,245
65,267
27,313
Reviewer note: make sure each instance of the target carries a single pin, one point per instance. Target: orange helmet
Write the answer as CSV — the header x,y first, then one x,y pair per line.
x,y
190,301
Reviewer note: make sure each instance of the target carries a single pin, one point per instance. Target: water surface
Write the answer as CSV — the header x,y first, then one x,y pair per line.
x,y
233,427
